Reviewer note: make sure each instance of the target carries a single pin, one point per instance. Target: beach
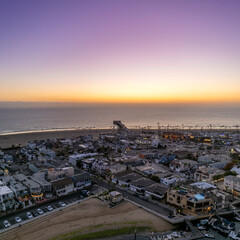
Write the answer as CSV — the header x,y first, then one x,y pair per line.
x,y
87,217
8,140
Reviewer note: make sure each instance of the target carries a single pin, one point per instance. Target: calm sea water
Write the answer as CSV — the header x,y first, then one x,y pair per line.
x,y
50,118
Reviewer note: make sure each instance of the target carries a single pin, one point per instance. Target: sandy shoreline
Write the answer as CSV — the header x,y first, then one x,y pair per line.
x,y
23,138
89,216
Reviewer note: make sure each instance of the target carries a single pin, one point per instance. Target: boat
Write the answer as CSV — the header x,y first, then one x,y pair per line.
x,y
223,230
234,235
209,235
176,234
216,223
200,227
204,222
228,224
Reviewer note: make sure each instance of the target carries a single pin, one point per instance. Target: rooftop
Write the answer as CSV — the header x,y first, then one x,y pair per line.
x,y
5,190
203,185
142,182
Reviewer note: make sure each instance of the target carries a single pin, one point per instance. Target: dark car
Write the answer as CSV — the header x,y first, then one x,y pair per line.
x,y
81,196
85,193
35,214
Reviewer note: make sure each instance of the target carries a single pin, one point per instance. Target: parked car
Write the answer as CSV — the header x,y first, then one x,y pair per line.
x,y
39,211
81,196
49,208
29,215
6,223
62,204
35,213
18,219
85,193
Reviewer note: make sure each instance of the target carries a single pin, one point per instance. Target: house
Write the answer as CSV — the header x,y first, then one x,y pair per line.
x,y
236,169
181,165
63,186
6,198
232,185
166,159
140,184
56,173
156,191
33,187
207,174
205,159
124,179
116,168
115,197
73,159
46,186
48,152
81,180
190,201
169,180
21,192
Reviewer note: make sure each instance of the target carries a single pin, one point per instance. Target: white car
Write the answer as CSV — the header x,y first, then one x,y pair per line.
x,y
62,204
6,223
18,219
40,211
49,208
29,215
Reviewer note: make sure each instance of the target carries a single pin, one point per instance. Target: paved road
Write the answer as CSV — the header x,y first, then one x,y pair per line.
x,y
156,208
54,204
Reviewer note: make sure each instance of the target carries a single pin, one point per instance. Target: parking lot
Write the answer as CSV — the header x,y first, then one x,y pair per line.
x,y
55,205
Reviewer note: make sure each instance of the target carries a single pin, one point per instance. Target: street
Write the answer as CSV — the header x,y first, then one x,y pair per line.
x,y
154,207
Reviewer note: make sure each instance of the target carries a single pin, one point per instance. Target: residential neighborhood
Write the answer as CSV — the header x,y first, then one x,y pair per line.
x,y
178,174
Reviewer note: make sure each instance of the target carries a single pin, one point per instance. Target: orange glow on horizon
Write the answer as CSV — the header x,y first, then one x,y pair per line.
x,y
197,98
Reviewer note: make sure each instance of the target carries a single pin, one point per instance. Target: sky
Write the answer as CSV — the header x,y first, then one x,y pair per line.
x,y
120,51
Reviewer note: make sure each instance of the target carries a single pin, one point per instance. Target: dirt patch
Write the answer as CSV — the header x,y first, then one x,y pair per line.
x,y
86,217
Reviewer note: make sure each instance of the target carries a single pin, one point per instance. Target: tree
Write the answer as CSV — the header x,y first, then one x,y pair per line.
x,y
155,178
229,166
209,148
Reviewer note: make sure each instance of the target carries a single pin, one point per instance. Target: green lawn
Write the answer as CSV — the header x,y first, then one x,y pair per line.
x,y
77,235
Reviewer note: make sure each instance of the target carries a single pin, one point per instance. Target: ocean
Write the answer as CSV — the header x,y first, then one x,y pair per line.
x,y
29,119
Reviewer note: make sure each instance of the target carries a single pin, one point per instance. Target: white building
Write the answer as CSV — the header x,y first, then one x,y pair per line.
x,y
73,159
169,180
6,198
236,169
232,185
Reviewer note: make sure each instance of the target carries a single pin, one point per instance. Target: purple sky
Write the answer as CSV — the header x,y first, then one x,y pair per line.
x,y
93,43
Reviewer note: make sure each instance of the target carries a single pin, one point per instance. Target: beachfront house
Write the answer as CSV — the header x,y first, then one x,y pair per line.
x,y
156,191
63,186
46,186
33,187
81,180
6,198
189,201
139,185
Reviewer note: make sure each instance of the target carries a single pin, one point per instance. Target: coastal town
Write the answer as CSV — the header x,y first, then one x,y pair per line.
x,y
188,177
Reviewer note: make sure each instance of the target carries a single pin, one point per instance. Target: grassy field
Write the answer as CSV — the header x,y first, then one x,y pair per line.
x,y
97,233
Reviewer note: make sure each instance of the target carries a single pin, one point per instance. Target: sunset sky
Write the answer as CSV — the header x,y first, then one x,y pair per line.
x,y
120,51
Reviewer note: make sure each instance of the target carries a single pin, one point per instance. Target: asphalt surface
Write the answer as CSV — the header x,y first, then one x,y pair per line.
x,y
75,198
147,204
54,204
